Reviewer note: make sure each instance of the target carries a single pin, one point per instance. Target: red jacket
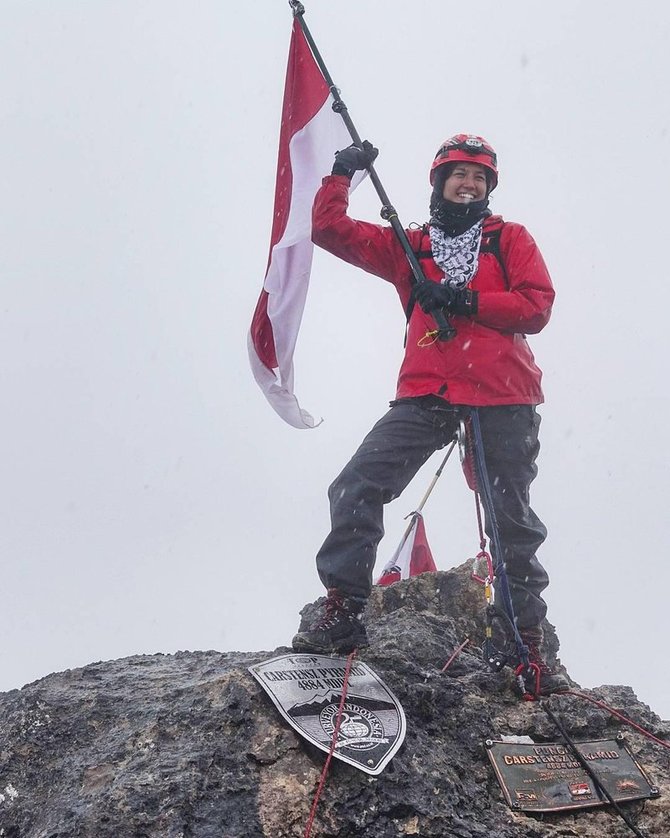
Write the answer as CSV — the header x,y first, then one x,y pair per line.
x,y
489,361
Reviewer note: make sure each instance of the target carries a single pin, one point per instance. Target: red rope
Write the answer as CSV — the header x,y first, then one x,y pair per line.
x,y
482,548
455,654
489,568
618,715
333,745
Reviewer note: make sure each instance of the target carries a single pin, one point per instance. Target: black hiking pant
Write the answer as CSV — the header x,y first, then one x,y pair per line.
x,y
387,460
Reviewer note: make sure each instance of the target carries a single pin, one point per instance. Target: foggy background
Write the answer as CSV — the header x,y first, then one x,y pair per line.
x,y
151,499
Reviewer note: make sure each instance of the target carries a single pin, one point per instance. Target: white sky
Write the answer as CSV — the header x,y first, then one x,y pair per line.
x,y
151,499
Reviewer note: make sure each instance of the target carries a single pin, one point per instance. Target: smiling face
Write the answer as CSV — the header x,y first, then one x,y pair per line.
x,y
466,183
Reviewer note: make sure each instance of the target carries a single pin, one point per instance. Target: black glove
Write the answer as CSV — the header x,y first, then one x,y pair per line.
x,y
434,295
353,158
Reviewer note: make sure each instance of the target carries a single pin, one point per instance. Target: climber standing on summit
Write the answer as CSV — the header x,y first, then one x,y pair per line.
x,y
489,278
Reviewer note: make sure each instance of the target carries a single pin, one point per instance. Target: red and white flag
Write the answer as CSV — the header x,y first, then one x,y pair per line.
x,y
412,557
311,132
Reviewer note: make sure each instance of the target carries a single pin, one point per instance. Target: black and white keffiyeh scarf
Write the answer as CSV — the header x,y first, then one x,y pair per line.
x,y
457,256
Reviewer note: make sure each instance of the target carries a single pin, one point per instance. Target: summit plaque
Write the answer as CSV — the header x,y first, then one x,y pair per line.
x,y
548,778
307,691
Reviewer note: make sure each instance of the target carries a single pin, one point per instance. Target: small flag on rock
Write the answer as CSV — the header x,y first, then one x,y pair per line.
x,y
412,557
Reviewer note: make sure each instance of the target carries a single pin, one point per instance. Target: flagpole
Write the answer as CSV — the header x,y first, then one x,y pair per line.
x,y
445,331
417,511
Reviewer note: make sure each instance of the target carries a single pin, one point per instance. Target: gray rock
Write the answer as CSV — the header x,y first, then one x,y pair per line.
x,y
189,746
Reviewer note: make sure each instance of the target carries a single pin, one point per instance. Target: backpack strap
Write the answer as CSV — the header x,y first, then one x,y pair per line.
x,y
491,244
425,251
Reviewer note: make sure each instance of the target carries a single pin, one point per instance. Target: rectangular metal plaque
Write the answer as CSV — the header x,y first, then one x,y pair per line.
x,y
548,778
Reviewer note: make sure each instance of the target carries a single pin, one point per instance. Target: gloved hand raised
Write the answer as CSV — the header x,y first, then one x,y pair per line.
x,y
435,295
353,158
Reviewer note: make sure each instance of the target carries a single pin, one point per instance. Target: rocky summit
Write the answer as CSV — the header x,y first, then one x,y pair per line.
x,y
190,746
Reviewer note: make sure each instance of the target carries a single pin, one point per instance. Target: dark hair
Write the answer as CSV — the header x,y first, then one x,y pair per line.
x,y
441,175
446,169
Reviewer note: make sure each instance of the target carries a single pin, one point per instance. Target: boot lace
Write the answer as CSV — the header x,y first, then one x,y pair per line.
x,y
335,608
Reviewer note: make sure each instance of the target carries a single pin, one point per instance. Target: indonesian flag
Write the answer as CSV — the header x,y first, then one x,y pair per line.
x,y
311,132
412,557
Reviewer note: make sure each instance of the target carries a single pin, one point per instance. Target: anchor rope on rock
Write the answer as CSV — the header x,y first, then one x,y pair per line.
x,y
333,744
620,716
455,654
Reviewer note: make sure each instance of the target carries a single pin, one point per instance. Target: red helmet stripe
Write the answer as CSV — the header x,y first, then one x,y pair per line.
x,y
466,148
